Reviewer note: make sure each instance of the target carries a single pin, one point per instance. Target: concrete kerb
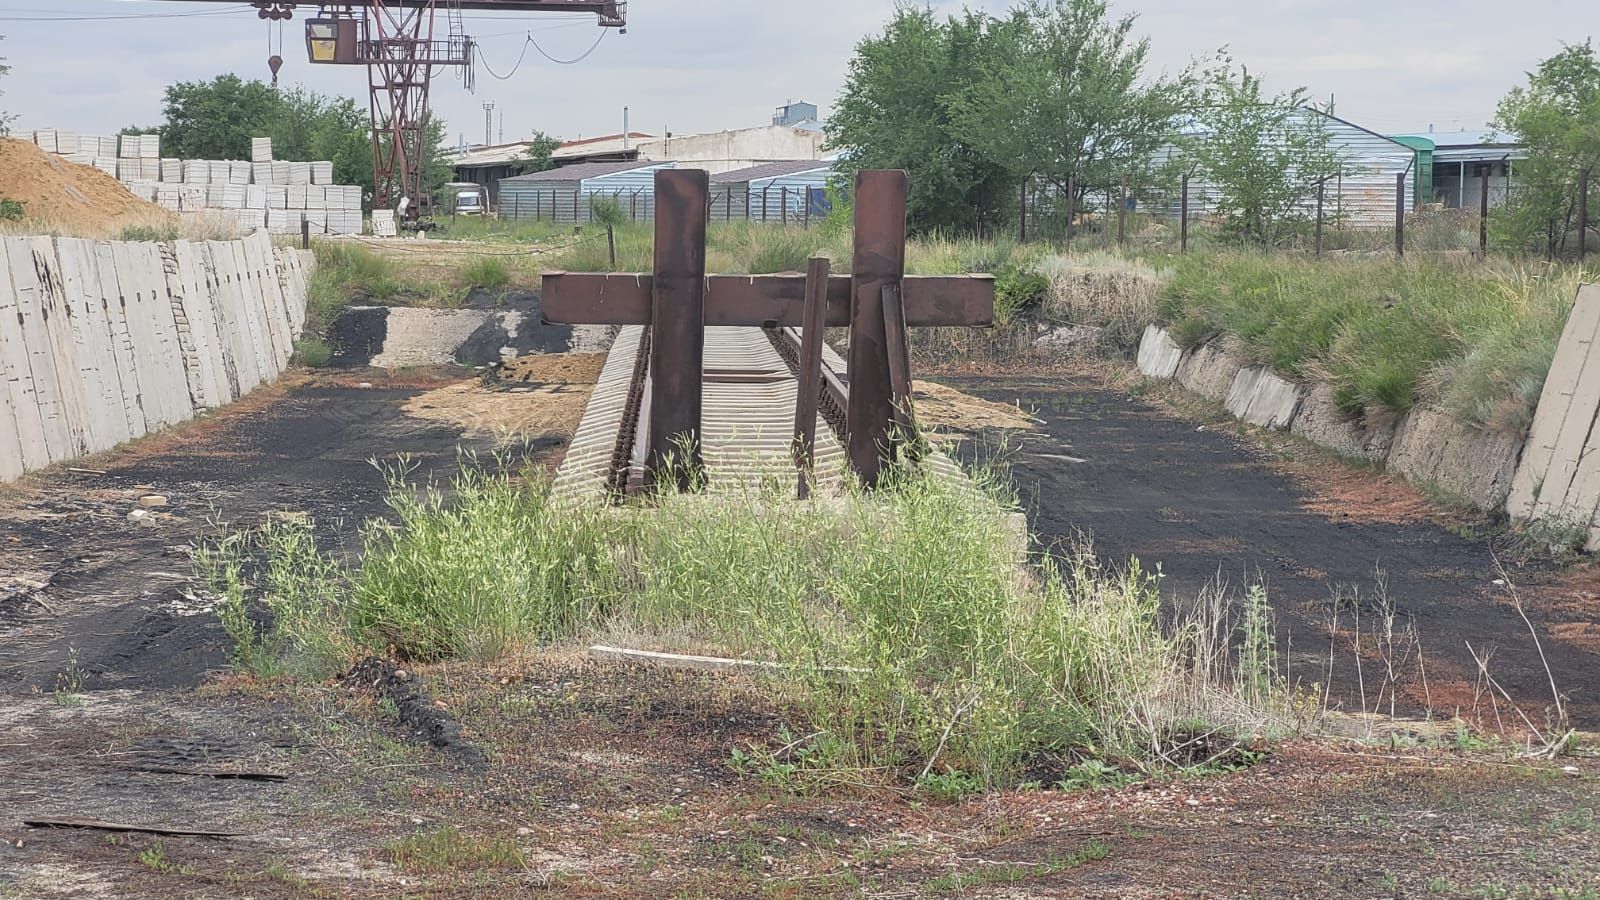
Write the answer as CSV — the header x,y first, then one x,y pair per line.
x,y
1210,369
1262,398
1322,422
1469,462
1159,355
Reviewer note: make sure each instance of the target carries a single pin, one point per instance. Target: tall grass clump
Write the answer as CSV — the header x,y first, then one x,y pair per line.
x,y
345,272
1105,289
487,272
906,632
1385,333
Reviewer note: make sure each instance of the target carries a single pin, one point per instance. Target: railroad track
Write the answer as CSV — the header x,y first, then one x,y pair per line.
x,y
747,421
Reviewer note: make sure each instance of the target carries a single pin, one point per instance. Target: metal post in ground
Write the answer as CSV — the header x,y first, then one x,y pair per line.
x,y
783,204
766,199
305,232
1583,214
879,259
809,389
1183,216
1322,189
1122,214
1483,213
678,335
1400,214
1022,212
1072,199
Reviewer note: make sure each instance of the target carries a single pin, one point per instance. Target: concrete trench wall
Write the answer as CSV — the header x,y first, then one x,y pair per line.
x,y
104,342
1424,445
1558,481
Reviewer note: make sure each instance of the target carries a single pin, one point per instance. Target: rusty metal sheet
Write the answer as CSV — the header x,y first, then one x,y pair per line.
x,y
582,298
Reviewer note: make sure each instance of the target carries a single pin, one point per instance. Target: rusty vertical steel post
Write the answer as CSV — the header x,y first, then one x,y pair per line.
x,y
747,203
880,259
1072,200
1122,214
677,323
1183,216
783,204
1583,214
1322,187
538,205
1483,213
809,390
305,232
1400,214
899,347
1022,212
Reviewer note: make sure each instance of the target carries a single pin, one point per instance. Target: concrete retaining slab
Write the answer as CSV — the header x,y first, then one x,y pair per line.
x,y
1159,355
41,367
1262,398
1563,434
59,316
160,355
426,337
1321,422
16,377
1210,369
114,302
239,348
1477,465
105,425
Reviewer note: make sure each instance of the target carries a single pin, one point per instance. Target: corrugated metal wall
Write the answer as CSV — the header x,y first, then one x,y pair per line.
x,y
568,202
1363,197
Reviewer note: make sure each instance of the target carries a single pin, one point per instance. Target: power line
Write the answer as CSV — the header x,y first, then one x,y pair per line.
x,y
530,42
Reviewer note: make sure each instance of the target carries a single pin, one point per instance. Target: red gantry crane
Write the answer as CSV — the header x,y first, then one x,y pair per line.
x,y
402,45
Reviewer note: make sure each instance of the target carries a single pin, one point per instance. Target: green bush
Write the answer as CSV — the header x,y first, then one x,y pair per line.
x,y
11,210
149,233
897,620
312,351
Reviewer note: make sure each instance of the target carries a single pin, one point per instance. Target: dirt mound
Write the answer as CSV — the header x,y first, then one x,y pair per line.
x,y
940,406
554,368
68,198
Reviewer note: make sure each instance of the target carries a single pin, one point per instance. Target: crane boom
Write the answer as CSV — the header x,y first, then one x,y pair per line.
x,y
395,40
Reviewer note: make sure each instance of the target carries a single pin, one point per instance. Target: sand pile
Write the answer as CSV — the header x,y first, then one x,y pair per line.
x,y
64,197
940,406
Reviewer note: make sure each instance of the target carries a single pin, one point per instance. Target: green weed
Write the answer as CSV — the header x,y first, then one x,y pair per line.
x,y
487,272
448,850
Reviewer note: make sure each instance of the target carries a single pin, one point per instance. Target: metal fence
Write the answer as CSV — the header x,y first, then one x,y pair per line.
x,y
1337,217
777,205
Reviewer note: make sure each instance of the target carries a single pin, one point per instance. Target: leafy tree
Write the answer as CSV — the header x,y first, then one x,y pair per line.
x,y
1556,115
5,118
216,119
1062,94
1264,156
537,158
894,113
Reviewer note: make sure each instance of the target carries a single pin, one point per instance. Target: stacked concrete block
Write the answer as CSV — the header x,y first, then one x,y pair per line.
x,y
248,189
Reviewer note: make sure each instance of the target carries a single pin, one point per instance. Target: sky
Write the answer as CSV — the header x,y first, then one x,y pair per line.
x,y
690,66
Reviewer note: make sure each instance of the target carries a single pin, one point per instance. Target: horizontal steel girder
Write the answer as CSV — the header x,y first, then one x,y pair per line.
x,y
582,298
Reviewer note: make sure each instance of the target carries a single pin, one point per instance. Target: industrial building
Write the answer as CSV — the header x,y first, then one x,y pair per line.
x,y
564,195
1362,196
785,191
1454,164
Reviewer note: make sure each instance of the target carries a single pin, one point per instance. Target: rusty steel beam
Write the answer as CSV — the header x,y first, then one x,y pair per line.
x,y
583,298
899,348
808,393
879,261
677,324
608,10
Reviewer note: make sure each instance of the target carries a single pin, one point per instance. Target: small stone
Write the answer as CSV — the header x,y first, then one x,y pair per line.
x,y
365,385
524,831
401,675
152,500
139,516
1572,770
